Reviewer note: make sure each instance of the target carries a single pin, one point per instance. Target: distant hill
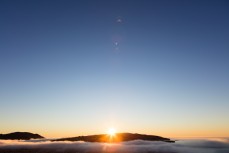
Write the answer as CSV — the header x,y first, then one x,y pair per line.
x,y
20,136
118,137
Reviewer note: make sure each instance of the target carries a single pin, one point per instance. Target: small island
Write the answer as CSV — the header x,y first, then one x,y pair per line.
x,y
20,136
118,137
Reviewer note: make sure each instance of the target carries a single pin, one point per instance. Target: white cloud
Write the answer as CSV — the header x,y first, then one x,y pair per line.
x,y
137,146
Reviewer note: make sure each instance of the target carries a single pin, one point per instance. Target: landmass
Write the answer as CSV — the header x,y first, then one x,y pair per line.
x,y
20,136
60,147
118,137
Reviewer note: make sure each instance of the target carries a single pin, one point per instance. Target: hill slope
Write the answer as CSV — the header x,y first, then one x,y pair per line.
x,y
20,136
118,137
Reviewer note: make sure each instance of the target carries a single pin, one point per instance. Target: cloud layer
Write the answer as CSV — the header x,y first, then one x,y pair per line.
x,y
137,146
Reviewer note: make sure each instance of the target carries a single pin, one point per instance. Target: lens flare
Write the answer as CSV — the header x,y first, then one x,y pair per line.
x,y
111,132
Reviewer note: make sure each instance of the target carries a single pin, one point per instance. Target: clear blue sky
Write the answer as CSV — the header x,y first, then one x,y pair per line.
x,y
78,67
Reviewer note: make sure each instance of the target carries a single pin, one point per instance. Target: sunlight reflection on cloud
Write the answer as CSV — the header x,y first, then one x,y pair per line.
x,y
181,146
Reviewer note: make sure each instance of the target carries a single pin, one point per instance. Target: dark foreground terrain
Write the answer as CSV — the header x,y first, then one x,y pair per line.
x,y
118,137
20,136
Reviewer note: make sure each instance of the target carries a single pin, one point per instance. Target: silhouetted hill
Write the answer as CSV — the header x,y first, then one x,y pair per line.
x,y
20,136
118,137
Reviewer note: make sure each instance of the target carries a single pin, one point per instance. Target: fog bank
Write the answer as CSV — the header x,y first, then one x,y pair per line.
x,y
137,146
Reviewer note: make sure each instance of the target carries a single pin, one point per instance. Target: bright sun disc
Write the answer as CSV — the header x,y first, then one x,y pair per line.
x,y
111,131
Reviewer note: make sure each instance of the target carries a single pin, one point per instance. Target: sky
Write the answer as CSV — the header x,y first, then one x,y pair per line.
x,y
71,68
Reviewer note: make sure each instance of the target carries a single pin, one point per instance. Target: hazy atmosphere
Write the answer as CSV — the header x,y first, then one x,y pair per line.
x,y
80,67
188,146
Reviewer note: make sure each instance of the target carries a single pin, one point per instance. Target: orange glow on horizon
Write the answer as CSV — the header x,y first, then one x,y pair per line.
x,y
169,132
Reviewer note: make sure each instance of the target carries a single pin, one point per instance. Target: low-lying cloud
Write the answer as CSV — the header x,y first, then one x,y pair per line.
x,y
137,146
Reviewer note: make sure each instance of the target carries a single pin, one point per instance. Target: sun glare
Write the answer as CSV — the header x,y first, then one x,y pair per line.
x,y
111,132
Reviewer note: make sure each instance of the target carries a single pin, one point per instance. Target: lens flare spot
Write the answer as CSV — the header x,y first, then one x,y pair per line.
x,y
111,131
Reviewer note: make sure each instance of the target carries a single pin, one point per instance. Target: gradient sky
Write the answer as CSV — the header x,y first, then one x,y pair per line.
x,y
72,68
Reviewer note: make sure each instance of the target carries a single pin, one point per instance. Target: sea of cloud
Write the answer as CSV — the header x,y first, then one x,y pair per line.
x,y
220,145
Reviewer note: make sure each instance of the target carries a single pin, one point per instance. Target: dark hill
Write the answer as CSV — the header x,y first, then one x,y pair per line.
x,y
20,136
118,137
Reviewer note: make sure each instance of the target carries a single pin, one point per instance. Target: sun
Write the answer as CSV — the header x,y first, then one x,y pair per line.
x,y
111,131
